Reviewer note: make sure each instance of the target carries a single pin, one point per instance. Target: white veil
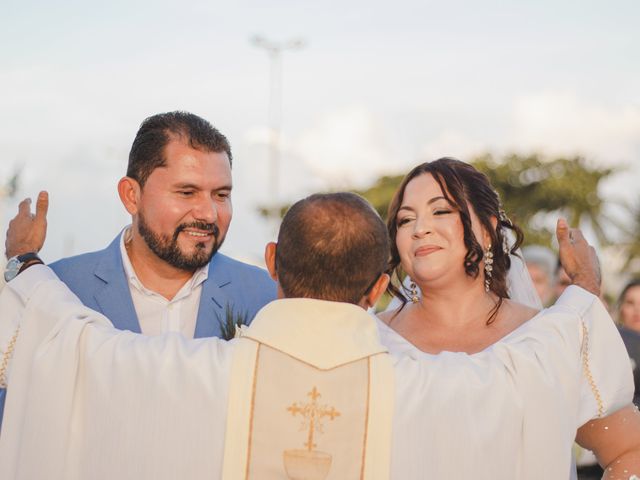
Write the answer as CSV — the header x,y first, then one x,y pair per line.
x,y
519,283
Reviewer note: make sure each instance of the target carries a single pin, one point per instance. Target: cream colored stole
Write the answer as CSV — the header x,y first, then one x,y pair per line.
x,y
311,396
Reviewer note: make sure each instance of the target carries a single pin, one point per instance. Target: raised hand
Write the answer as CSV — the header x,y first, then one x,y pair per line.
x,y
578,258
27,231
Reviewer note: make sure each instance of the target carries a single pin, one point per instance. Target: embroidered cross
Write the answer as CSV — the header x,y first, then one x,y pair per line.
x,y
312,415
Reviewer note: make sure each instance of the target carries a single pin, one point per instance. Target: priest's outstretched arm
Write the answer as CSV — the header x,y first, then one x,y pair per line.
x,y
73,381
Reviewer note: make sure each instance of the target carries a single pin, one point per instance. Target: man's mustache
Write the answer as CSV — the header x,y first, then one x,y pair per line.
x,y
203,226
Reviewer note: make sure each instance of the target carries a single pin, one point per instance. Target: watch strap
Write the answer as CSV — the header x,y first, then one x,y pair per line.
x,y
25,257
28,259
30,264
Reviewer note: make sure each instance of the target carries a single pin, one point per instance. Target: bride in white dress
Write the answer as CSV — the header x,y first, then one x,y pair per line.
x,y
514,385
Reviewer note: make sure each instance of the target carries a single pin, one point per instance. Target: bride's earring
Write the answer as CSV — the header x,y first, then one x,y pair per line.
x,y
488,268
413,290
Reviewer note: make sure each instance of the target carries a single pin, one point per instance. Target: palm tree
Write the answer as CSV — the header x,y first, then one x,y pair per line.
x,y
631,240
532,188
10,189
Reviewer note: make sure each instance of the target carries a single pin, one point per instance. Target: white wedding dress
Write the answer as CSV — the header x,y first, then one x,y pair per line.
x,y
512,410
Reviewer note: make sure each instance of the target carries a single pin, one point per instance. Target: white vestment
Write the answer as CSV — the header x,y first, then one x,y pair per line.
x,y
86,401
305,393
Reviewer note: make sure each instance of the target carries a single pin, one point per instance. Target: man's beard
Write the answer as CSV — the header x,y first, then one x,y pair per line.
x,y
167,249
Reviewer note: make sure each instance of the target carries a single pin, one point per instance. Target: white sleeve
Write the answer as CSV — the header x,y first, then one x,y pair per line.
x,y
11,309
607,378
15,298
116,391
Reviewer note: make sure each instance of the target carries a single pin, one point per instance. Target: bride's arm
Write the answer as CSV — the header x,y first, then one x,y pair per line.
x,y
615,440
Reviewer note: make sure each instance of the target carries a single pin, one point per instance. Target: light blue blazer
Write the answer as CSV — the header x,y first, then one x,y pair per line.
x,y
99,280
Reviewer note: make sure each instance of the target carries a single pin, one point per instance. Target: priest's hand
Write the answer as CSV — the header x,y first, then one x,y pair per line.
x,y
27,231
578,258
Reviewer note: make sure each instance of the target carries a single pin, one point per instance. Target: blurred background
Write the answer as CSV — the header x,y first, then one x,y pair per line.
x,y
329,96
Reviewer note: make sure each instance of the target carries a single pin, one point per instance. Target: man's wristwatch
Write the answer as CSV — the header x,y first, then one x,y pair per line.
x,y
17,264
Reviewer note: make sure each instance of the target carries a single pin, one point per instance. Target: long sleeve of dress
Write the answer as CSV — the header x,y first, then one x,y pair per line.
x,y
606,369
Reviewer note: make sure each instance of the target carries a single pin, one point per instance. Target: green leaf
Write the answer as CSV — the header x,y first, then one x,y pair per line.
x,y
231,321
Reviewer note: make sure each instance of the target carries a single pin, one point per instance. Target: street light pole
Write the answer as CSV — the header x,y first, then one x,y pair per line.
x,y
275,50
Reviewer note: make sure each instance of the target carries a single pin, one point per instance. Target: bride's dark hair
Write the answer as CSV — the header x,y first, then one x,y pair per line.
x,y
462,185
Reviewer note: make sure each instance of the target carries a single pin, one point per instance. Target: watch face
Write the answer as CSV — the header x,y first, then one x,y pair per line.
x,y
12,269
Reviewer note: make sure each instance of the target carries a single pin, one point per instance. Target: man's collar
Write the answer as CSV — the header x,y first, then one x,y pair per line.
x,y
321,333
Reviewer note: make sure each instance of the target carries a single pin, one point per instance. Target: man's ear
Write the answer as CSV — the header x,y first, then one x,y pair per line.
x,y
129,191
270,259
371,298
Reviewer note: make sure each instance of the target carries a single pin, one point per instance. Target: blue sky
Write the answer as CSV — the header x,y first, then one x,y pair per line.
x,y
378,88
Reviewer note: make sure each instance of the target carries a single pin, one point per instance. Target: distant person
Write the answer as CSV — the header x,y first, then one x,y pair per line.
x,y
163,273
629,319
541,264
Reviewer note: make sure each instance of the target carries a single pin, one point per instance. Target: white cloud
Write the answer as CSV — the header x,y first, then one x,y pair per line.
x,y
347,147
553,124
562,123
450,143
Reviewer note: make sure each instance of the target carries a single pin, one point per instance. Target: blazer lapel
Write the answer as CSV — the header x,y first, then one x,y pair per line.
x,y
214,300
115,298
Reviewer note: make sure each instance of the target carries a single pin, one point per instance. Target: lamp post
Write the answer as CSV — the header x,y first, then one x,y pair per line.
x,y
275,51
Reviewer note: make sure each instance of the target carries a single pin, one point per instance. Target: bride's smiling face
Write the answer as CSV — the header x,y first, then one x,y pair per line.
x,y
430,234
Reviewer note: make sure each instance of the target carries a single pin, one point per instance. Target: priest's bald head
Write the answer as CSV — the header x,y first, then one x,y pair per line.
x,y
331,247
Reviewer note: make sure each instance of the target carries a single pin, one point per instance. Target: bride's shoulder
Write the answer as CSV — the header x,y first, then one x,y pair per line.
x,y
387,316
519,313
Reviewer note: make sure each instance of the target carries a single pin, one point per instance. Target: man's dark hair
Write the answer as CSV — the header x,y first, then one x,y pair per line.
x,y
147,151
331,247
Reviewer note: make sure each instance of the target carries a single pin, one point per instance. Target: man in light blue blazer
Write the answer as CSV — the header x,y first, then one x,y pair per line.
x,y
98,279
163,273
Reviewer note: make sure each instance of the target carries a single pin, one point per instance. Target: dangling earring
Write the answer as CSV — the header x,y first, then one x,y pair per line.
x,y
488,268
413,290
